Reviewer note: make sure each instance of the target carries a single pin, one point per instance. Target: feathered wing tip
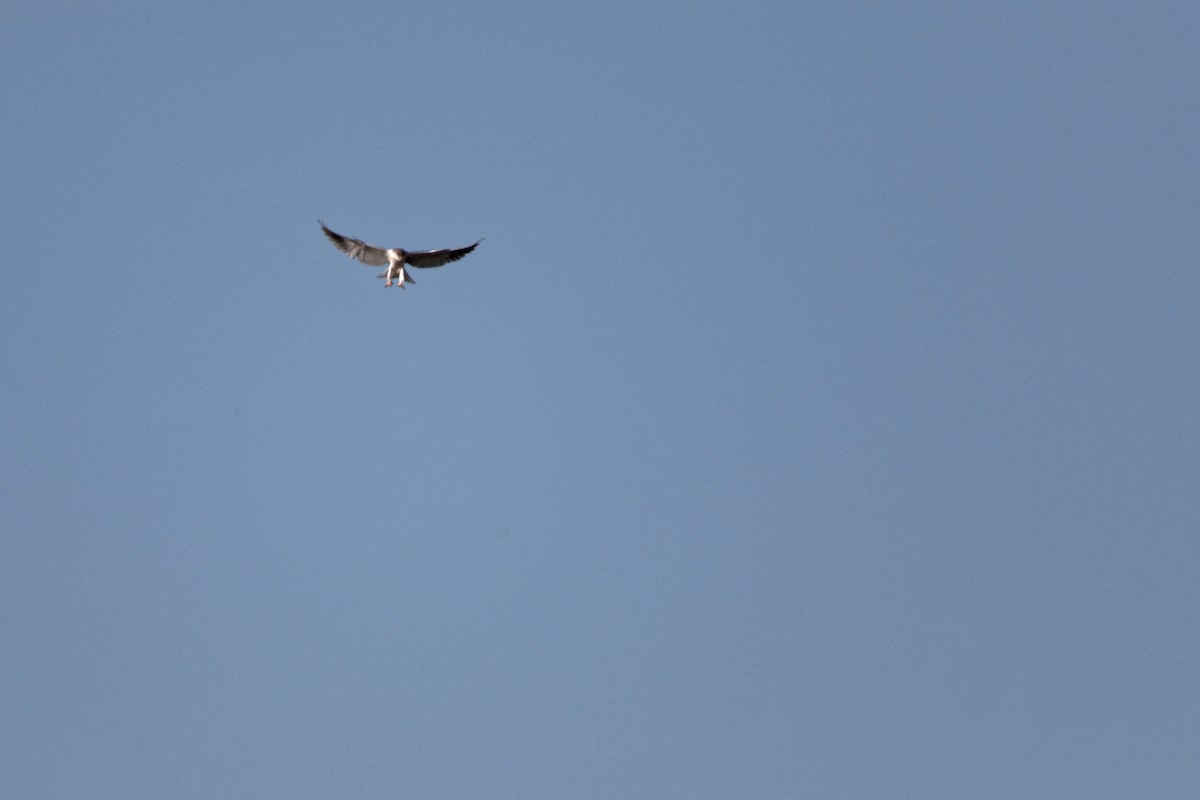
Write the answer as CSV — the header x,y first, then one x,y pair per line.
x,y
331,235
423,259
355,248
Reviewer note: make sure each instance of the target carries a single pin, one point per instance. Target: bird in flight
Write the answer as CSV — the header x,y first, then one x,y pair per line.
x,y
394,257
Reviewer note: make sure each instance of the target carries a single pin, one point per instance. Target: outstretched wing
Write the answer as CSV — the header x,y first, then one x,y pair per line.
x,y
355,248
435,258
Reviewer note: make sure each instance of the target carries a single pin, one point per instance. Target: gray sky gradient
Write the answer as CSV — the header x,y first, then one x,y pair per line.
x,y
817,419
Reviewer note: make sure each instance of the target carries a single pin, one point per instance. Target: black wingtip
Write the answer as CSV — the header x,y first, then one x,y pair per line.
x,y
331,235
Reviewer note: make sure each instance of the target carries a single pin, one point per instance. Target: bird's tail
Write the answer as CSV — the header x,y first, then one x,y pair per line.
x,y
407,278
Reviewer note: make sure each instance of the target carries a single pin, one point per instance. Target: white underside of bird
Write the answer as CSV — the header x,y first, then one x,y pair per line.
x,y
395,271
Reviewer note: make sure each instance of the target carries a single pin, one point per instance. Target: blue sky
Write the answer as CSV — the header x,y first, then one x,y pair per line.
x,y
817,419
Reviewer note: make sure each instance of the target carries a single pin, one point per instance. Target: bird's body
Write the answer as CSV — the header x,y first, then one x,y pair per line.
x,y
395,258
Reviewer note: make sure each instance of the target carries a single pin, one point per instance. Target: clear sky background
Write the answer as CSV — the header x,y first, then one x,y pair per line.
x,y
817,419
